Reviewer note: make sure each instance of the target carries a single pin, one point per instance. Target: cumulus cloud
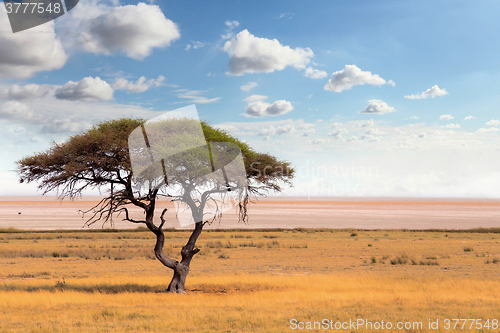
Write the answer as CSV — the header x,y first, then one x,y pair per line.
x,y
141,85
133,29
373,131
64,125
231,25
306,126
250,54
260,109
195,96
391,83
271,130
414,117
288,128
422,135
368,123
432,92
488,130
316,141
88,89
377,106
493,122
451,126
29,91
352,76
15,110
338,133
469,117
254,98
249,86
313,73
194,45
446,117
309,131
20,112
26,53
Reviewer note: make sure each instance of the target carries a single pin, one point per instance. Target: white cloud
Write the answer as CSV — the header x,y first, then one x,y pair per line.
x,y
316,141
422,135
469,117
15,110
268,131
373,131
141,85
446,117
28,52
249,86
29,91
227,128
488,130
230,27
391,83
254,98
22,113
250,54
493,122
195,45
368,123
133,29
414,117
195,96
451,126
288,128
260,109
432,92
338,133
377,106
88,89
305,126
272,130
313,73
309,131
286,15
352,76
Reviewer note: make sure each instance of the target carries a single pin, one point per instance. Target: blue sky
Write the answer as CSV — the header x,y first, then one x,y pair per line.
x,y
372,98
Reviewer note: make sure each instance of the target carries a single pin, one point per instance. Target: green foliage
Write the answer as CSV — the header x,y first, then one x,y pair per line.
x,y
100,157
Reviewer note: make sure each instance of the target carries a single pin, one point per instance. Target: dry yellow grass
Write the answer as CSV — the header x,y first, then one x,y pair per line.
x,y
109,282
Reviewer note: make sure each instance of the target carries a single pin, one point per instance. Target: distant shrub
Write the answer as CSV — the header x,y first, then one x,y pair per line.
x,y
428,263
468,249
374,260
354,234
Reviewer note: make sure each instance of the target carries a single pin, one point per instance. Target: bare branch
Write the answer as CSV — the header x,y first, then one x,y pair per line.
x,y
127,218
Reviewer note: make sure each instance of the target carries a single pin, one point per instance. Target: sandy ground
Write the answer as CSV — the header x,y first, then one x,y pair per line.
x,y
278,212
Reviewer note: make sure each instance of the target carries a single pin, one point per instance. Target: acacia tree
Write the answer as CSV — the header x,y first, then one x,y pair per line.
x,y
99,159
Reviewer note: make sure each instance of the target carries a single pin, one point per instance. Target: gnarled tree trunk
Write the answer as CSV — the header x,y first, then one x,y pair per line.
x,y
181,269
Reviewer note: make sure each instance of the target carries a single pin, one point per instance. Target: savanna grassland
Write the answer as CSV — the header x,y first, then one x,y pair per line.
x,y
247,281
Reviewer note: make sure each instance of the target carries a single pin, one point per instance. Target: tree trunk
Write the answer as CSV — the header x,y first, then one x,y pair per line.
x,y
179,279
181,269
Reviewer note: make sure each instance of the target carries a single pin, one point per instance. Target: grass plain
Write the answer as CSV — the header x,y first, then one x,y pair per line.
x,y
247,280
